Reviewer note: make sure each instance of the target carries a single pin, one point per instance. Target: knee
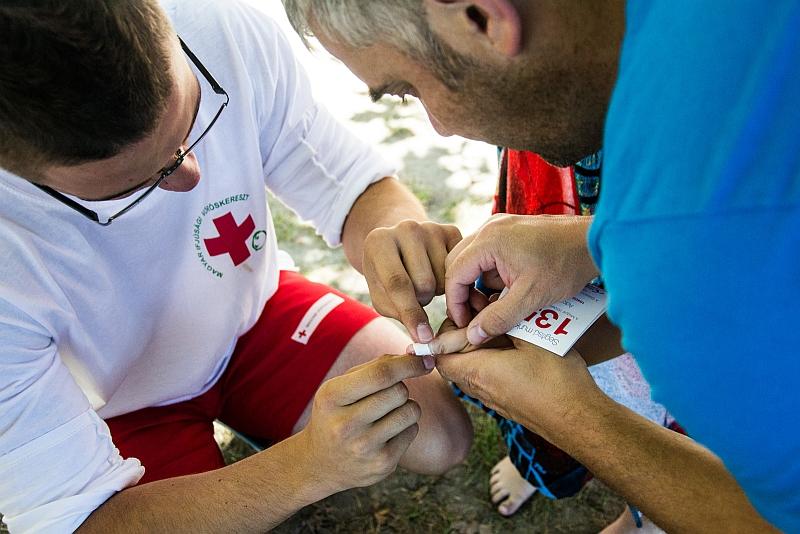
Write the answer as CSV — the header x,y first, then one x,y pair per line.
x,y
455,451
450,444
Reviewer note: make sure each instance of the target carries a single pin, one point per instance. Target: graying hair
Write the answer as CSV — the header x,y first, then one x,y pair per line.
x,y
361,23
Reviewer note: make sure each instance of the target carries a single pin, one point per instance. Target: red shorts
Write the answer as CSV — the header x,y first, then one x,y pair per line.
x,y
274,372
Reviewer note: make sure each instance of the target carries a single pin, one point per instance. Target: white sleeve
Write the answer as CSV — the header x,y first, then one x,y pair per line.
x,y
312,163
57,460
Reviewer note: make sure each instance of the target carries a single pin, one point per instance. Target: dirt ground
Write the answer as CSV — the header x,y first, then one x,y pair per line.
x,y
457,502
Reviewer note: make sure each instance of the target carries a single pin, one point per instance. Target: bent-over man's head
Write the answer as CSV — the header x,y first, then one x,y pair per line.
x,y
528,75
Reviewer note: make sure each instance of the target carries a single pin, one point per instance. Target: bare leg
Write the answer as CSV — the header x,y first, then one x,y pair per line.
x,y
445,431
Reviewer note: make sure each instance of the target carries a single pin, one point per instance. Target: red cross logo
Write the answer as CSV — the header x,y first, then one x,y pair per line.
x,y
232,238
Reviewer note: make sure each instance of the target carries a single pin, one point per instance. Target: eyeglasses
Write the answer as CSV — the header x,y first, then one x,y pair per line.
x,y
180,155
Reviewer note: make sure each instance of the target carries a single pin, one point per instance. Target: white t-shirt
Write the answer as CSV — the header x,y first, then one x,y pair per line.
x,y
96,322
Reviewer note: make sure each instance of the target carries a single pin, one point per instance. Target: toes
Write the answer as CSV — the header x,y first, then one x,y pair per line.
x,y
511,505
502,465
513,501
506,509
500,495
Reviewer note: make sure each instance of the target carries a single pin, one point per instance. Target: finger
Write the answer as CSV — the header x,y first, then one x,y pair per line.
x,y
377,294
493,280
381,301
370,269
449,328
375,406
423,351
450,341
452,239
447,325
452,236
395,422
463,369
456,250
374,376
460,278
477,300
438,243
398,445
392,274
414,251
502,315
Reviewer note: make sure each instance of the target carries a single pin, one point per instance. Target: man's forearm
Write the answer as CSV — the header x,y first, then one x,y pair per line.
x,y
383,204
253,495
674,481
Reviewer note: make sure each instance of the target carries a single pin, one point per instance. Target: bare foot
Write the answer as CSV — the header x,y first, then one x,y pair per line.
x,y
508,488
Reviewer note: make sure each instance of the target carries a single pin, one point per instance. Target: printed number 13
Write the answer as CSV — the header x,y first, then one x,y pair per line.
x,y
545,316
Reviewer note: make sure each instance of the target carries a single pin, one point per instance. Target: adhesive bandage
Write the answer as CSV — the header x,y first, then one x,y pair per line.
x,y
422,349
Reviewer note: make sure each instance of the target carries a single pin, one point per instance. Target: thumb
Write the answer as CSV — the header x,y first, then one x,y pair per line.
x,y
502,315
458,368
467,371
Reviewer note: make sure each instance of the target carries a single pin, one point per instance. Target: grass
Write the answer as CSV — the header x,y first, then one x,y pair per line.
x,y
457,502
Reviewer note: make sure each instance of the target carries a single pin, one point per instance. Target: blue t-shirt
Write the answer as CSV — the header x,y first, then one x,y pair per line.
x,y
698,229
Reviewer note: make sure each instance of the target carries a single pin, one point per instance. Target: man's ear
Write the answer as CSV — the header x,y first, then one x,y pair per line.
x,y
497,22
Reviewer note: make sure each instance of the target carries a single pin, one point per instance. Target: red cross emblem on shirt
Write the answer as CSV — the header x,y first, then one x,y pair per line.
x,y
232,238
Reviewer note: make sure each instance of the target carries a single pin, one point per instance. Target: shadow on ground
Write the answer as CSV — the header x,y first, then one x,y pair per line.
x,y
457,502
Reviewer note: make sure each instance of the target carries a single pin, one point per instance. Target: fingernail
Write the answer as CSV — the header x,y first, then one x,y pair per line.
x,y
429,362
424,333
476,335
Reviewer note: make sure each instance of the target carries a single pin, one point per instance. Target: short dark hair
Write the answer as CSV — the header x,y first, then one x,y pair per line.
x,y
79,79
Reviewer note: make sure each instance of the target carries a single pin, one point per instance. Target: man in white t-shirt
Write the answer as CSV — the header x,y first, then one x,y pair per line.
x,y
139,302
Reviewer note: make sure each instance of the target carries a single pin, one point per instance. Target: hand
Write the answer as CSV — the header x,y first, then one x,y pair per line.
x,y
362,422
541,259
525,383
404,268
450,339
